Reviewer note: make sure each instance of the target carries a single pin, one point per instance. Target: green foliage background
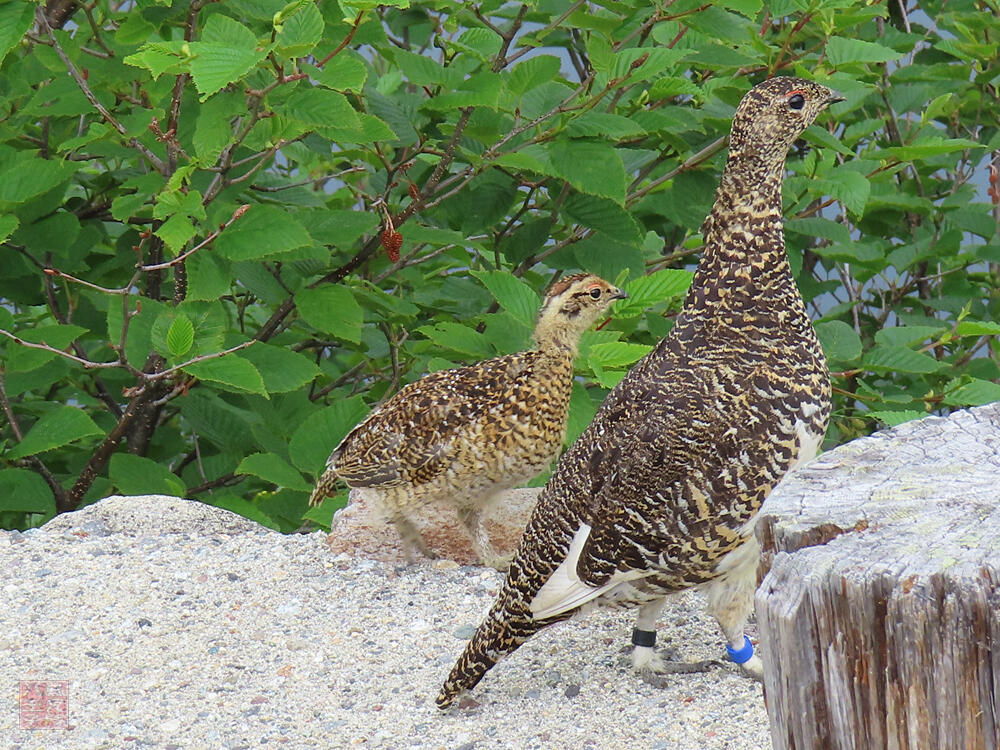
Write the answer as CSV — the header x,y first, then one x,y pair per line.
x,y
506,143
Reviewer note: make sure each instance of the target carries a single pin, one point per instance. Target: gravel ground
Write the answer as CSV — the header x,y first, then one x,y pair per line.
x,y
176,625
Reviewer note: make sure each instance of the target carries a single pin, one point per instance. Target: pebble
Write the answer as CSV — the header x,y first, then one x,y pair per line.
x,y
257,659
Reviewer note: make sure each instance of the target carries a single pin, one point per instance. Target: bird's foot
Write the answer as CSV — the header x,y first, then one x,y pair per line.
x,y
754,668
661,678
653,668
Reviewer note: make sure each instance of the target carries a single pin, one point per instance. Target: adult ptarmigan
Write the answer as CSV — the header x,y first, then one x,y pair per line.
x,y
661,491
465,435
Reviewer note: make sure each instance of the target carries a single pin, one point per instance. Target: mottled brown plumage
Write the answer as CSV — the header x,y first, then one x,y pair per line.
x,y
660,492
467,434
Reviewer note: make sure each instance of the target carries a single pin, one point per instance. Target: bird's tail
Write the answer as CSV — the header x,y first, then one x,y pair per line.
x,y
507,626
324,487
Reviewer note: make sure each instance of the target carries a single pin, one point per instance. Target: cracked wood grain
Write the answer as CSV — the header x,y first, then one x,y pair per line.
x,y
879,608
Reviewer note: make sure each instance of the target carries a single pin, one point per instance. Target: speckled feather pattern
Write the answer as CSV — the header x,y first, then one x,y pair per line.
x,y
684,450
466,434
495,423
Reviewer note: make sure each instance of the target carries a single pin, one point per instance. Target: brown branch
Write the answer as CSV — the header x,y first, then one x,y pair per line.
x,y
239,212
200,358
103,453
226,480
58,12
89,10
86,363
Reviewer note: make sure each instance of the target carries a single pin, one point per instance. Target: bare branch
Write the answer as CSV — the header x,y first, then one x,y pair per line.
x,y
201,358
85,363
239,212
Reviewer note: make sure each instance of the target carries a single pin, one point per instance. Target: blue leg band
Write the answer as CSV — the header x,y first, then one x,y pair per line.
x,y
742,655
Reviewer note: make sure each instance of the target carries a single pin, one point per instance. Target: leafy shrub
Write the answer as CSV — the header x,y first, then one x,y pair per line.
x,y
230,228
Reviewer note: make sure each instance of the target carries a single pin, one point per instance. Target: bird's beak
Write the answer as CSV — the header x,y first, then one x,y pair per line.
x,y
834,98
620,294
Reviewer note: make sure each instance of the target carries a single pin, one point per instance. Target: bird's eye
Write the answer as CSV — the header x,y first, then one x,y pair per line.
x,y
796,101
595,293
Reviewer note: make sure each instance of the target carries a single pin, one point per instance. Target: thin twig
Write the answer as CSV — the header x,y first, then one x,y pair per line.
x,y
208,240
85,363
201,358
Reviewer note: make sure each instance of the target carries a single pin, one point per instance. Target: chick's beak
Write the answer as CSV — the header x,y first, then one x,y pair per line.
x,y
619,294
834,98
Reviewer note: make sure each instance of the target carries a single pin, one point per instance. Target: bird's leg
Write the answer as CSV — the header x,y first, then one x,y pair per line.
x,y
730,600
411,537
472,519
652,667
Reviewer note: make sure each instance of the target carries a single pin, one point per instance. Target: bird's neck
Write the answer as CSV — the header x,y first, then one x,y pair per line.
x,y
744,240
552,336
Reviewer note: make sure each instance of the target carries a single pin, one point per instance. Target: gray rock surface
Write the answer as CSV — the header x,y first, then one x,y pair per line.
x,y
177,625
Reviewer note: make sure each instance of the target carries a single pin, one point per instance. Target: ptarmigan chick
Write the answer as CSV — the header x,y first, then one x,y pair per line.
x,y
465,435
661,492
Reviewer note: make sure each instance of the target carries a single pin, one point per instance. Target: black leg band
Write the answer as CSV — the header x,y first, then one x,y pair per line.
x,y
643,637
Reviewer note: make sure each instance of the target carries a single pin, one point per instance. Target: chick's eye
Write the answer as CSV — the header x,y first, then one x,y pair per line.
x,y
595,292
796,101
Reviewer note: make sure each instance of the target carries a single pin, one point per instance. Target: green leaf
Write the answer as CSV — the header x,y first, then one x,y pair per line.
x,y
55,429
603,125
263,232
28,178
617,353
161,57
514,296
533,72
317,107
590,167
8,223
24,491
175,232
273,469
893,418
974,393
601,214
850,188
322,431
230,371
841,51
840,342
907,335
340,228
282,369
661,286
208,277
180,337
227,52
301,29
213,130
883,358
331,309
977,328
345,72
925,147
136,475
15,20
459,338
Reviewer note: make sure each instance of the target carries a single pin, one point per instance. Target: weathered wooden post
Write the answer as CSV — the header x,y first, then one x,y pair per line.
x,y
880,612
